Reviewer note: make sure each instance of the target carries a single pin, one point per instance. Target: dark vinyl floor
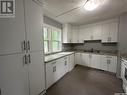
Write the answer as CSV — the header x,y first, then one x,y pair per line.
x,y
86,81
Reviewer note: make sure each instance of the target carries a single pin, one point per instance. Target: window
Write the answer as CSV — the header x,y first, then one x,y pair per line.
x,y
52,39
56,40
46,40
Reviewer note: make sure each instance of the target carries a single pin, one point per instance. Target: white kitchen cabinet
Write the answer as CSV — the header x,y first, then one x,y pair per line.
x,y
87,33
52,73
66,62
13,75
20,77
71,62
78,58
75,34
91,32
67,33
104,65
56,70
50,67
110,32
12,31
112,65
95,61
105,33
86,59
60,68
36,73
96,35
34,23
114,31
109,63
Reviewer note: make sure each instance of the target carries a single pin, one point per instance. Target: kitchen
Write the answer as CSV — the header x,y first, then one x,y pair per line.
x,y
63,47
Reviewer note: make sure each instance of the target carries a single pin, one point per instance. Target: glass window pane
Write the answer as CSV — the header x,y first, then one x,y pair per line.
x,y
56,35
46,46
55,46
45,33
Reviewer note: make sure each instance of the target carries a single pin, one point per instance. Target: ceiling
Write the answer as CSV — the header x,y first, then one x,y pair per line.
x,y
59,10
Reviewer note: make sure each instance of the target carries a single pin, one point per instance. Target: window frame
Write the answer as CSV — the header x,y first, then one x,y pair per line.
x,y
50,40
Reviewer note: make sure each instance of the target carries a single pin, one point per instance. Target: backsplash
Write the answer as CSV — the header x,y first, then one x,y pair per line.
x,y
95,45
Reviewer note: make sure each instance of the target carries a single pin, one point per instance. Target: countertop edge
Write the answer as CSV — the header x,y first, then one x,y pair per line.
x,y
59,57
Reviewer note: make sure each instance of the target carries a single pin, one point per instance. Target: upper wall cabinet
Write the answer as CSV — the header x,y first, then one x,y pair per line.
x,y
34,23
110,32
91,32
70,34
12,31
75,34
107,31
67,36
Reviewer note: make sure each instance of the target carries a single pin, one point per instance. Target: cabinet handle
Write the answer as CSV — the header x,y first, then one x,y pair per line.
x,y
109,62
28,45
25,60
29,58
23,45
54,69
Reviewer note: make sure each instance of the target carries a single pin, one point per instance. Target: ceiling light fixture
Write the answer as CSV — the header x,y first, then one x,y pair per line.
x,y
92,4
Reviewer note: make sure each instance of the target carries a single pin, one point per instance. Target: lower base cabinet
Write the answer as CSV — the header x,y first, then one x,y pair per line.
x,y
109,63
102,62
71,63
21,78
58,68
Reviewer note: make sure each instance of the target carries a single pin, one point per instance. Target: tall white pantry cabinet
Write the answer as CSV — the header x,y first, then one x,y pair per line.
x,y
21,50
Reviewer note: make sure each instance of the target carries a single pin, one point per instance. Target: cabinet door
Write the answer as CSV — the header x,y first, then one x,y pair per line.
x,y
87,33
75,33
36,73
13,75
85,59
112,65
95,61
104,65
97,32
66,62
67,33
49,74
81,36
12,31
34,23
114,32
71,63
105,33
78,58
60,68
